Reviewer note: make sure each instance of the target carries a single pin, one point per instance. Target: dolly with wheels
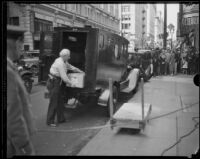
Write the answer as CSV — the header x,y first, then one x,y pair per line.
x,y
130,115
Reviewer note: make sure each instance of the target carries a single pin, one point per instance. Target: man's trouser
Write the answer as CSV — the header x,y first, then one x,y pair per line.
x,y
56,104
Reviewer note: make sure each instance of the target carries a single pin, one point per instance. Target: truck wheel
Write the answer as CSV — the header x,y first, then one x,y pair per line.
x,y
115,100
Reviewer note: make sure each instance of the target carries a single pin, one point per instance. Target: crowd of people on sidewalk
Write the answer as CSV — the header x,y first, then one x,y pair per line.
x,y
172,61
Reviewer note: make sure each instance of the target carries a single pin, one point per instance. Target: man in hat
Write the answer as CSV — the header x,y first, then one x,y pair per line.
x,y
20,125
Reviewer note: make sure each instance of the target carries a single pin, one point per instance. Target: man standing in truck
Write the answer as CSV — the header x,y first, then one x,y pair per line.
x,y
57,81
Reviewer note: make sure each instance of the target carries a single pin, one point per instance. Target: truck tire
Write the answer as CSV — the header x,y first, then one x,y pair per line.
x,y
115,100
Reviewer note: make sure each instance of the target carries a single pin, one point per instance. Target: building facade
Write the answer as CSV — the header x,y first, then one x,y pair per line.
x,y
188,25
138,24
151,19
44,17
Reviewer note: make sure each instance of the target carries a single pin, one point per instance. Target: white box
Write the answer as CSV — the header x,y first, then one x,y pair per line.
x,y
77,79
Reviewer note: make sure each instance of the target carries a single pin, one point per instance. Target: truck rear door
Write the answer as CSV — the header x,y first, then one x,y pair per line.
x,y
47,53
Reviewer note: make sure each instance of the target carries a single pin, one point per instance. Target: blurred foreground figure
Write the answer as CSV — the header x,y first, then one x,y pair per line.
x,y
20,123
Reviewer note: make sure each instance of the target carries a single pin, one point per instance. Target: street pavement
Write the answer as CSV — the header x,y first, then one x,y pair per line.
x,y
166,94
67,139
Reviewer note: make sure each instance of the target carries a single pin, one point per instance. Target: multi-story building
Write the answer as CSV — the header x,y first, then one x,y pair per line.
x,y
151,15
137,24
188,24
159,26
44,17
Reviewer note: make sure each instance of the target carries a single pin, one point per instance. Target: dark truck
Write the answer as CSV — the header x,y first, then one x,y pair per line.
x,y
100,54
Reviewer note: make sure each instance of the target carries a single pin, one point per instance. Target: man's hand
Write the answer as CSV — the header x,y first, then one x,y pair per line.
x,y
80,71
70,84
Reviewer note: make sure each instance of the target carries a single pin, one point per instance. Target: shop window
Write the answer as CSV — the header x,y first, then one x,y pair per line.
x,y
117,55
101,41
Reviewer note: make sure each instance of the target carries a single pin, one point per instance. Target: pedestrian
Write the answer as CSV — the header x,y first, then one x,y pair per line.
x,y
167,59
159,62
151,68
162,62
197,62
172,63
193,52
58,73
20,120
176,62
184,65
155,66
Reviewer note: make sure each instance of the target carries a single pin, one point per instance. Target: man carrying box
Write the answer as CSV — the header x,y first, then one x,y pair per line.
x,y
58,75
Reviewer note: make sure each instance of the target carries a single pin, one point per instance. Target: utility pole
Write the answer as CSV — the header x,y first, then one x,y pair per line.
x,y
165,27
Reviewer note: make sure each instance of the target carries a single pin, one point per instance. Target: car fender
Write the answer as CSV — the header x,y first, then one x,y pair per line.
x,y
133,78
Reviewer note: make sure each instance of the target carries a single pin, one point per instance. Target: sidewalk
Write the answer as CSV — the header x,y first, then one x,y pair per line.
x,y
166,94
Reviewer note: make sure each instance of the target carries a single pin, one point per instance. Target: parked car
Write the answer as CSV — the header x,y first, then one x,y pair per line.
x,y
100,54
31,63
141,59
26,75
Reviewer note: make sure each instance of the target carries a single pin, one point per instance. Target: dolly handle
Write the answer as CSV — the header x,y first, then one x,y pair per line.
x,y
111,97
142,86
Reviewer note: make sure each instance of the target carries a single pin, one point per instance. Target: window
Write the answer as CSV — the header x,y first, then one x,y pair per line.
x,y
14,21
189,21
101,41
126,17
36,44
195,20
86,14
42,25
125,8
126,25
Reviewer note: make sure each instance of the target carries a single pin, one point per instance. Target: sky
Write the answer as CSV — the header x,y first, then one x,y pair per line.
x,y
172,10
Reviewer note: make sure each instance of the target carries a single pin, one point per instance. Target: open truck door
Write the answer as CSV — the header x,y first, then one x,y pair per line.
x,y
48,53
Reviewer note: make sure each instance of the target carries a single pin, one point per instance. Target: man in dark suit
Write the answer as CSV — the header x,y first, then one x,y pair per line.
x,y
20,125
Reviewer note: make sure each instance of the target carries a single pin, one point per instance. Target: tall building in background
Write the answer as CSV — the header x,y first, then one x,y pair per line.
x,y
138,24
43,17
188,24
151,19
159,25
